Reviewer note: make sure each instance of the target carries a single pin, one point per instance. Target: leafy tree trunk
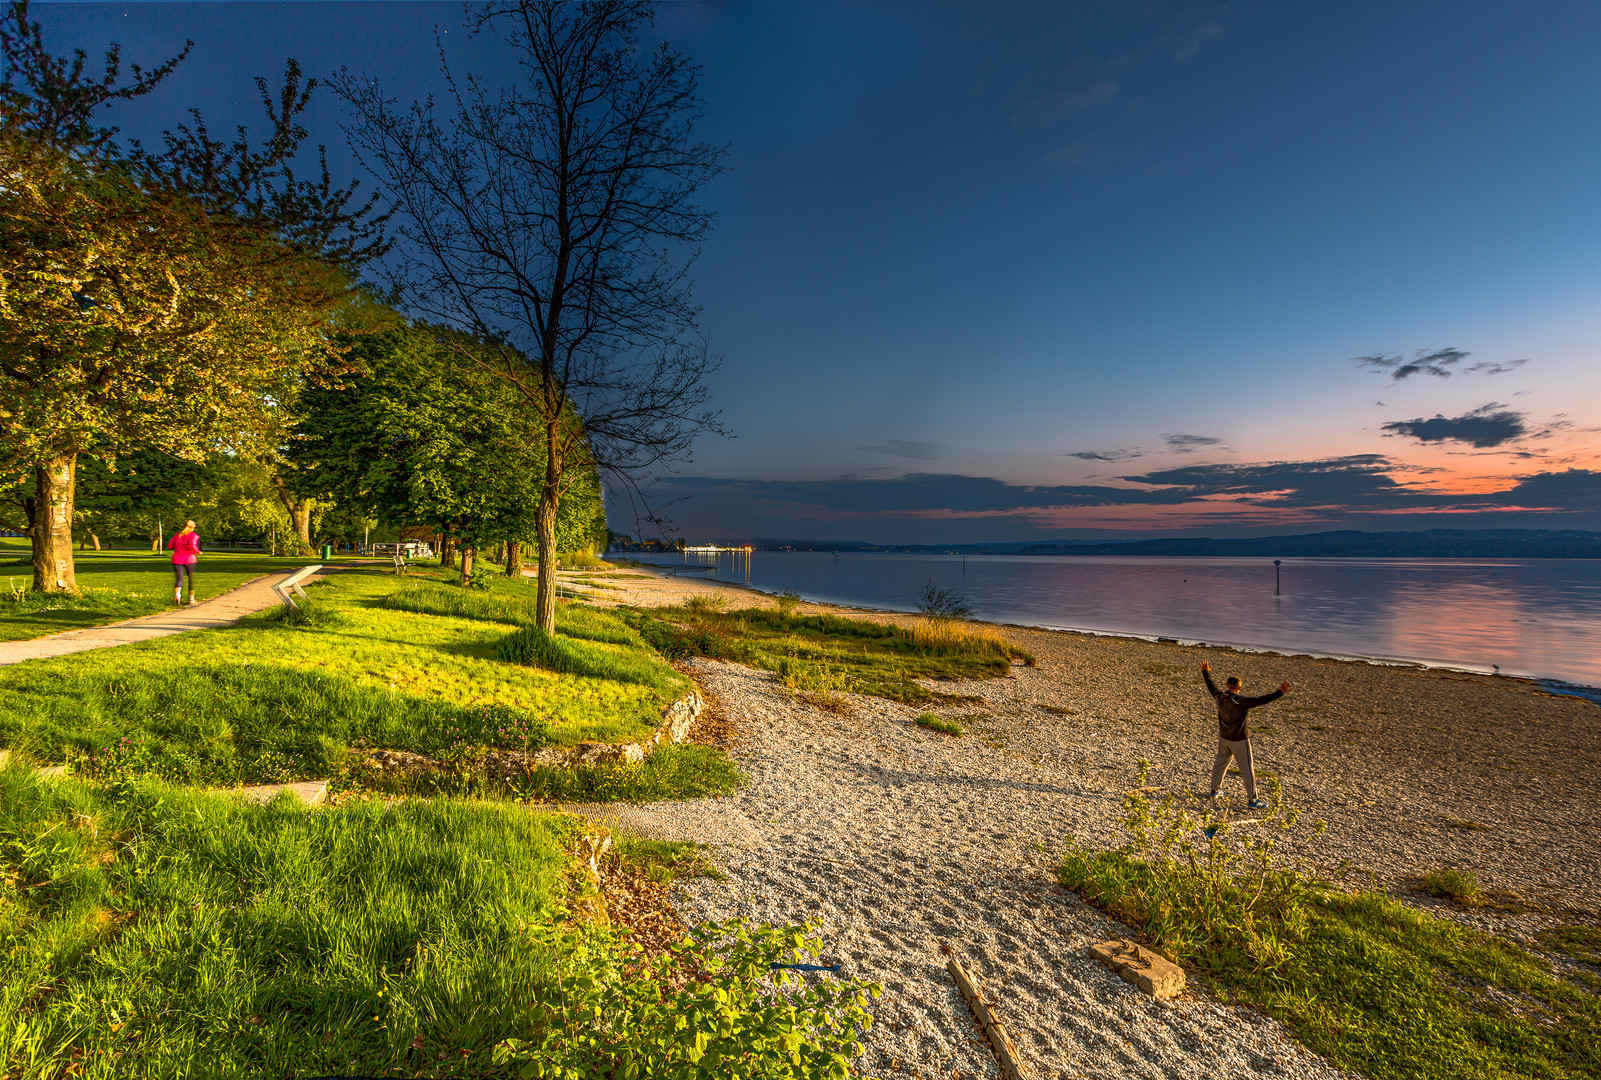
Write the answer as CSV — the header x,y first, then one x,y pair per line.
x,y
299,514
447,552
86,539
469,555
53,570
514,558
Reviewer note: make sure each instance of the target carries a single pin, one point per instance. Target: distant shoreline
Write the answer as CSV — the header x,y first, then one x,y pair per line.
x,y
1345,543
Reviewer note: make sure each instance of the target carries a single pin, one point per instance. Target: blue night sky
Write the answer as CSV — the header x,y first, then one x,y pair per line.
x,y
1098,269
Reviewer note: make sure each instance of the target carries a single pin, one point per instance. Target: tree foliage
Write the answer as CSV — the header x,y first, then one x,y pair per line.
x,y
411,435
151,301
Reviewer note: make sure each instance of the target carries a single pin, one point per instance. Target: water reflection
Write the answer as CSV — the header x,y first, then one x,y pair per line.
x,y
1537,617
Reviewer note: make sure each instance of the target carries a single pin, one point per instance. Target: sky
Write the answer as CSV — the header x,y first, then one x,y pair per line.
x,y
1036,271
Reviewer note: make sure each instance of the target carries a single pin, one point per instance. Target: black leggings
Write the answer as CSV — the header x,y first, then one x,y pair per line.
x,y
181,570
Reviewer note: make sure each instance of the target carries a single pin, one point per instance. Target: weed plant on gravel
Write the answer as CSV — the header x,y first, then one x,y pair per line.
x,y
1452,884
935,722
151,931
1380,988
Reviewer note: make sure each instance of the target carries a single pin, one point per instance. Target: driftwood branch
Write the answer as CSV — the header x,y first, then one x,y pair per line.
x,y
1000,1040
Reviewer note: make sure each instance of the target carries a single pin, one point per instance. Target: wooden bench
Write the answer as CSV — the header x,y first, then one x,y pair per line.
x,y
400,562
292,583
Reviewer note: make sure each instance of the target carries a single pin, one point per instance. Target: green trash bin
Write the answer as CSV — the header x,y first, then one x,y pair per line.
x,y
327,552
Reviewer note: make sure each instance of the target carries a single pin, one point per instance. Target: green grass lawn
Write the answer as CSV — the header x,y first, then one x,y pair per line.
x,y
265,701
116,585
150,931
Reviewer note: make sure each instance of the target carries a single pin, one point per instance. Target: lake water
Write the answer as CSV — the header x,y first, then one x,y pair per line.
x,y
1539,618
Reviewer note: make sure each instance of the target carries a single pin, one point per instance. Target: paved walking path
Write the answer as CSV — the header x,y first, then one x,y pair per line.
x,y
224,610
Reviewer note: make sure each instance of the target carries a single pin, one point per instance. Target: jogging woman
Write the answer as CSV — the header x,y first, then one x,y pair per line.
x,y
1233,741
185,551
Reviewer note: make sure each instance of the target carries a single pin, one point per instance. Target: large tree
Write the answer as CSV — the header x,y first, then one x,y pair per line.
x,y
555,218
149,301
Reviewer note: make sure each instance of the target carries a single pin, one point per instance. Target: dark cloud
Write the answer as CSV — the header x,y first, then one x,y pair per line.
x,y
920,451
1571,490
1489,425
1494,369
1360,481
1436,362
1105,455
1188,444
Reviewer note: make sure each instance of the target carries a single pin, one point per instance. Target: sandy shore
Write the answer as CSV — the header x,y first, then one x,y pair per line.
x,y
894,839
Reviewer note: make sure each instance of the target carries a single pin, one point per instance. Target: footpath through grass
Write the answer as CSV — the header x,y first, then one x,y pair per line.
x,y
155,932
116,585
1379,987
268,700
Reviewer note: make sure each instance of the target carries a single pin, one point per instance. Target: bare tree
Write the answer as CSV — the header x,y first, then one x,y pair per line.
x,y
556,217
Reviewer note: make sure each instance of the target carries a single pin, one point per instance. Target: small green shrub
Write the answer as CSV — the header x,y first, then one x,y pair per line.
x,y
307,614
934,722
1199,899
739,1018
937,603
1452,884
787,602
706,604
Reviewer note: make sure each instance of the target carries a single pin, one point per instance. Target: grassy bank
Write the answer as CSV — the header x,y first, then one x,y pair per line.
x,y
150,931
267,700
116,585
825,654
1377,986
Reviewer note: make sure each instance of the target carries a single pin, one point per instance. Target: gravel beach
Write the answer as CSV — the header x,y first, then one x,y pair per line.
x,y
893,839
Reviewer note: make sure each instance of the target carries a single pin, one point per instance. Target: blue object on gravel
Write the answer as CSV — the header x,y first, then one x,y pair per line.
x,y
808,967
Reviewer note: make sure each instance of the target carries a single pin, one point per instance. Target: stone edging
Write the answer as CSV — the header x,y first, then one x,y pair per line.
x,y
677,719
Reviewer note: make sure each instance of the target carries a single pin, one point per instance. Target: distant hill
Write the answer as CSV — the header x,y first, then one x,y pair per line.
x,y
1351,543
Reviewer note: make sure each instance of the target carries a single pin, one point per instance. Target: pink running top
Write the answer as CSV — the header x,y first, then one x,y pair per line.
x,y
185,547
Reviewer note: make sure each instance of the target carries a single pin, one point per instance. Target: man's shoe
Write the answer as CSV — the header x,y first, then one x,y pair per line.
x,y
1214,794
1257,804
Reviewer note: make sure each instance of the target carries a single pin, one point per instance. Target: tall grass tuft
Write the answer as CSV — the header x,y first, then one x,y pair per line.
x,y
950,637
595,660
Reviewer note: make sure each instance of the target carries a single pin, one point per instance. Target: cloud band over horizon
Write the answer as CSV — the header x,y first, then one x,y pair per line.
x,y
1350,491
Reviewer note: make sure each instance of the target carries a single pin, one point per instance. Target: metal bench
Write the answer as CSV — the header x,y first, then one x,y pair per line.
x,y
292,583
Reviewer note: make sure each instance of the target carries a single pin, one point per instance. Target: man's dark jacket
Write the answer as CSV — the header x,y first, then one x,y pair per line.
x,y
1231,709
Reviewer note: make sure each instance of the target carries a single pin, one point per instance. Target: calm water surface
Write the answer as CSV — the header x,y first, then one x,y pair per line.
x,y
1533,617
